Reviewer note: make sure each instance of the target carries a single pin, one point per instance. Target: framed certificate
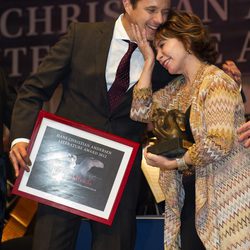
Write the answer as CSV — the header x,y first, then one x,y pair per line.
x,y
76,168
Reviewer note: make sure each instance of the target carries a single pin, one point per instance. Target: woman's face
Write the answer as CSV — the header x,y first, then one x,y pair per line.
x,y
172,55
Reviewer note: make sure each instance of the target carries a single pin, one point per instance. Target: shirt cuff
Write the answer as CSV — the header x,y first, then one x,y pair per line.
x,y
19,140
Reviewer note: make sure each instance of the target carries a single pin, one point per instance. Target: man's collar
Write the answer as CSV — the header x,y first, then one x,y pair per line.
x,y
119,31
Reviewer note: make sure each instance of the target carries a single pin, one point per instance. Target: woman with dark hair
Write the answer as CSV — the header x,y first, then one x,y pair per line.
x,y
207,190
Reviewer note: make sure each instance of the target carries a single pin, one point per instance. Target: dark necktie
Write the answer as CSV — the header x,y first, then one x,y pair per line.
x,y
121,82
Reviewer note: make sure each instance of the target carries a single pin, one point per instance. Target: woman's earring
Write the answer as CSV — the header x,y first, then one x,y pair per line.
x,y
189,51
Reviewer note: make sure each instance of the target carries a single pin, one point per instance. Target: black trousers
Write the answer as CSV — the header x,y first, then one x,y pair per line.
x,y
58,230
189,237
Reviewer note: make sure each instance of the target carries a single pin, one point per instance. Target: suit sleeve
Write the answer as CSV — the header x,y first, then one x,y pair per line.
x,y
40,86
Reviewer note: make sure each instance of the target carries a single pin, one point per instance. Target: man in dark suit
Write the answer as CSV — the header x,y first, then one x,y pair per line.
x,y
6,102
85,61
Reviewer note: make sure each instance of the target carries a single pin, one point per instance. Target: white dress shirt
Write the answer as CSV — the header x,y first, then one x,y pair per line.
x,y
117,50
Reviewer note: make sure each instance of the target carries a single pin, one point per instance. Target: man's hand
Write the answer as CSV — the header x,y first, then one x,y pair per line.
x,y
19,157
232,70
244,134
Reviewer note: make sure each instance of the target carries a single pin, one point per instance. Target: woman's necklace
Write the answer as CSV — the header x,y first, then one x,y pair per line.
x,y
186,93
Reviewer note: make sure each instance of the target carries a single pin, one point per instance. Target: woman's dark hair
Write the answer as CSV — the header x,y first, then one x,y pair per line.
x,y
189,29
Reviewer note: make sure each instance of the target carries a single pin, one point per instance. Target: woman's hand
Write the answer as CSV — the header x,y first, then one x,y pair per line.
x,y
143,43
159,161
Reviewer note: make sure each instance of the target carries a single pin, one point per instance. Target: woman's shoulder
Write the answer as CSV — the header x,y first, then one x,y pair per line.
x,y
215,77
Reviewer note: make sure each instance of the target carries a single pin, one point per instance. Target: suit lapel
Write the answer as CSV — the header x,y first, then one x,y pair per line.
x,y
103,41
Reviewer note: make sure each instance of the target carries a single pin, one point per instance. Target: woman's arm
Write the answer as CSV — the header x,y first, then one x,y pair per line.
x,y
148,54
142,95
219,108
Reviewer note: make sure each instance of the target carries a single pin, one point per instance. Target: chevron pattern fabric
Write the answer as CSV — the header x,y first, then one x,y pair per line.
x,y
222,164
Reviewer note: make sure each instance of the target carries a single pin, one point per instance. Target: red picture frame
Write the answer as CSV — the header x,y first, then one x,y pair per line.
x,y
76,168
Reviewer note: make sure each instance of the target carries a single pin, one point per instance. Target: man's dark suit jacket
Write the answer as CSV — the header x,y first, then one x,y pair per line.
x,y
78,61
6,103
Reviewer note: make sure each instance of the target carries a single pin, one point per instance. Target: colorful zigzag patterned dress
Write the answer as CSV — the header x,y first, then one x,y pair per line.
x,y
222,164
